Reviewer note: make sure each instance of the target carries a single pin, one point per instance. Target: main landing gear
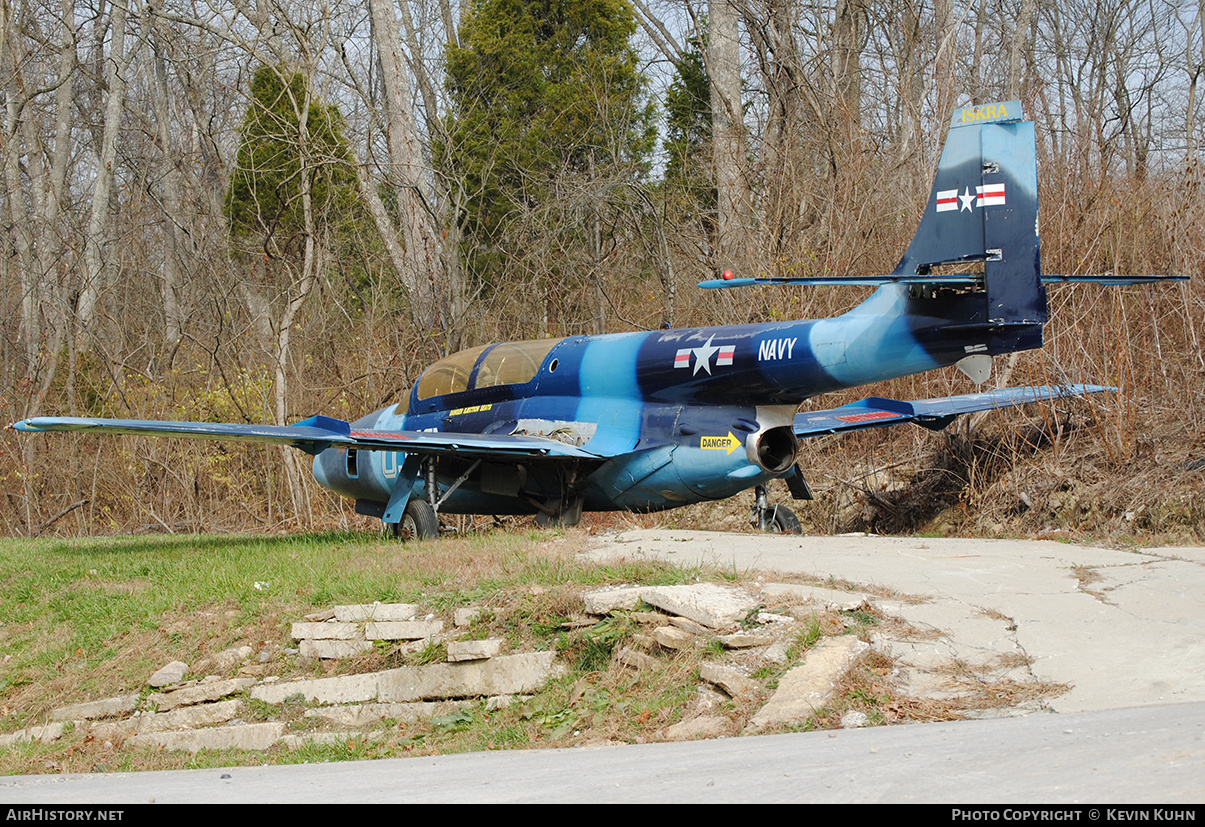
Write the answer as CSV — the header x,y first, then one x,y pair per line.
x,y
777,519
418,522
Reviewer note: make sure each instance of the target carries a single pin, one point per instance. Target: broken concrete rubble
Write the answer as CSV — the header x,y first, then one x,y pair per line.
x,y
164,701
462,650
106,708
728,678
352,630
224,662
809,686
708,604
328,631
376,611
402,629
333,649
818,596
183,718
169,674
45,734
671,637
357,715
191,716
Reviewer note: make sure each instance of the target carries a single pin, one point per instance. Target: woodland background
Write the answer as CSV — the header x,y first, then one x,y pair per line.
x,y
258,211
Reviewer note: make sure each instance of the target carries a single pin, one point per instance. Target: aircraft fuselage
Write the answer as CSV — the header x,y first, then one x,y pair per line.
x,y
681,415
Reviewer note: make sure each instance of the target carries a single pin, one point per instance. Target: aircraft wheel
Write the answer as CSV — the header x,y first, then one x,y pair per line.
x,y
785,521
419,522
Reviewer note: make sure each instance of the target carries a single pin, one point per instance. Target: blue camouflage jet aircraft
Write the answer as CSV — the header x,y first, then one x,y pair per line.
x,y
654,420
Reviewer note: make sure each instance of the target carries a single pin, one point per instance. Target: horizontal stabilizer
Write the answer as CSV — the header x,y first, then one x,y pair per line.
x,y
876,412
850,281
318,433
1110,279
959,280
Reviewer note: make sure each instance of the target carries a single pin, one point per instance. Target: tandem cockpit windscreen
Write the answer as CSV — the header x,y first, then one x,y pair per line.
x,y
510,363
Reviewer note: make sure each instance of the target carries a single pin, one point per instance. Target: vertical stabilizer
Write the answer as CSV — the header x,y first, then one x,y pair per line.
x,y
984,207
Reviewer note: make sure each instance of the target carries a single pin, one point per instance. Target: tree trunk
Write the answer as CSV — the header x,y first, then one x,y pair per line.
x,y
437,301
96,238
729,144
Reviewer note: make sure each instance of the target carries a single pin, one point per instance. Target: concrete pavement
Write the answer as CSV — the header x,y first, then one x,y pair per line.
x,y
1123,628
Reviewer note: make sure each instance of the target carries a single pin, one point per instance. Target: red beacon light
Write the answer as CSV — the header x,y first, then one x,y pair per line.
x,y
727,275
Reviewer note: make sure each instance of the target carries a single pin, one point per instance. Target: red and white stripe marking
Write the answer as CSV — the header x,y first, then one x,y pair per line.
x,y
990,195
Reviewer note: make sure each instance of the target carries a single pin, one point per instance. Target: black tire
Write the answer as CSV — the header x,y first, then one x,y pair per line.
x,y
785,521
418,522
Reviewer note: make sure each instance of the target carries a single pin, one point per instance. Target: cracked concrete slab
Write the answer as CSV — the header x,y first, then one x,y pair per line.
x,y
1132,636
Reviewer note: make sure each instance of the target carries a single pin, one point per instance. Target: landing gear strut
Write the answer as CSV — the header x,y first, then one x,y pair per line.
x,y
777,519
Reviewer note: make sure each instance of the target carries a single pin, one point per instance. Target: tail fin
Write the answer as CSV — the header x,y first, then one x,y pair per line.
x,y
984,207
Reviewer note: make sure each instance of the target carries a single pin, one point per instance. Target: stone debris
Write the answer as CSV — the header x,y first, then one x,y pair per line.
x,y
818,596
337,690
689,626
704,726
45,734
106,708
167,675
462,650
184,718
196,715
708,604
328,631
376,611
193,716
403,630
358,715
223,662
854,720
505,675
636,660
333,649
746,640
349,631
776,652
671,637
809,686
242,736
728,678
605,601
738,619
199,694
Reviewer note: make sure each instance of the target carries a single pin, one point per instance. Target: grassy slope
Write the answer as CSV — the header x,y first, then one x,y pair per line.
x,y
87,619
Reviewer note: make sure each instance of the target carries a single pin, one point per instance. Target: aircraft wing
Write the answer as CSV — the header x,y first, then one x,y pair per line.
x,y
318,433
876,412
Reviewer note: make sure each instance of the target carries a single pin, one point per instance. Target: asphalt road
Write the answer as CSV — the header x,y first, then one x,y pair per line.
x,y
1125,629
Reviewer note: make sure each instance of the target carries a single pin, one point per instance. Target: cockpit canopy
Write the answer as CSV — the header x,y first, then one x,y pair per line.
x,y
509,363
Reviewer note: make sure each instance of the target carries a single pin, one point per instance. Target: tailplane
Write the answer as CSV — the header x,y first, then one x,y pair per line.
x,y
984,207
